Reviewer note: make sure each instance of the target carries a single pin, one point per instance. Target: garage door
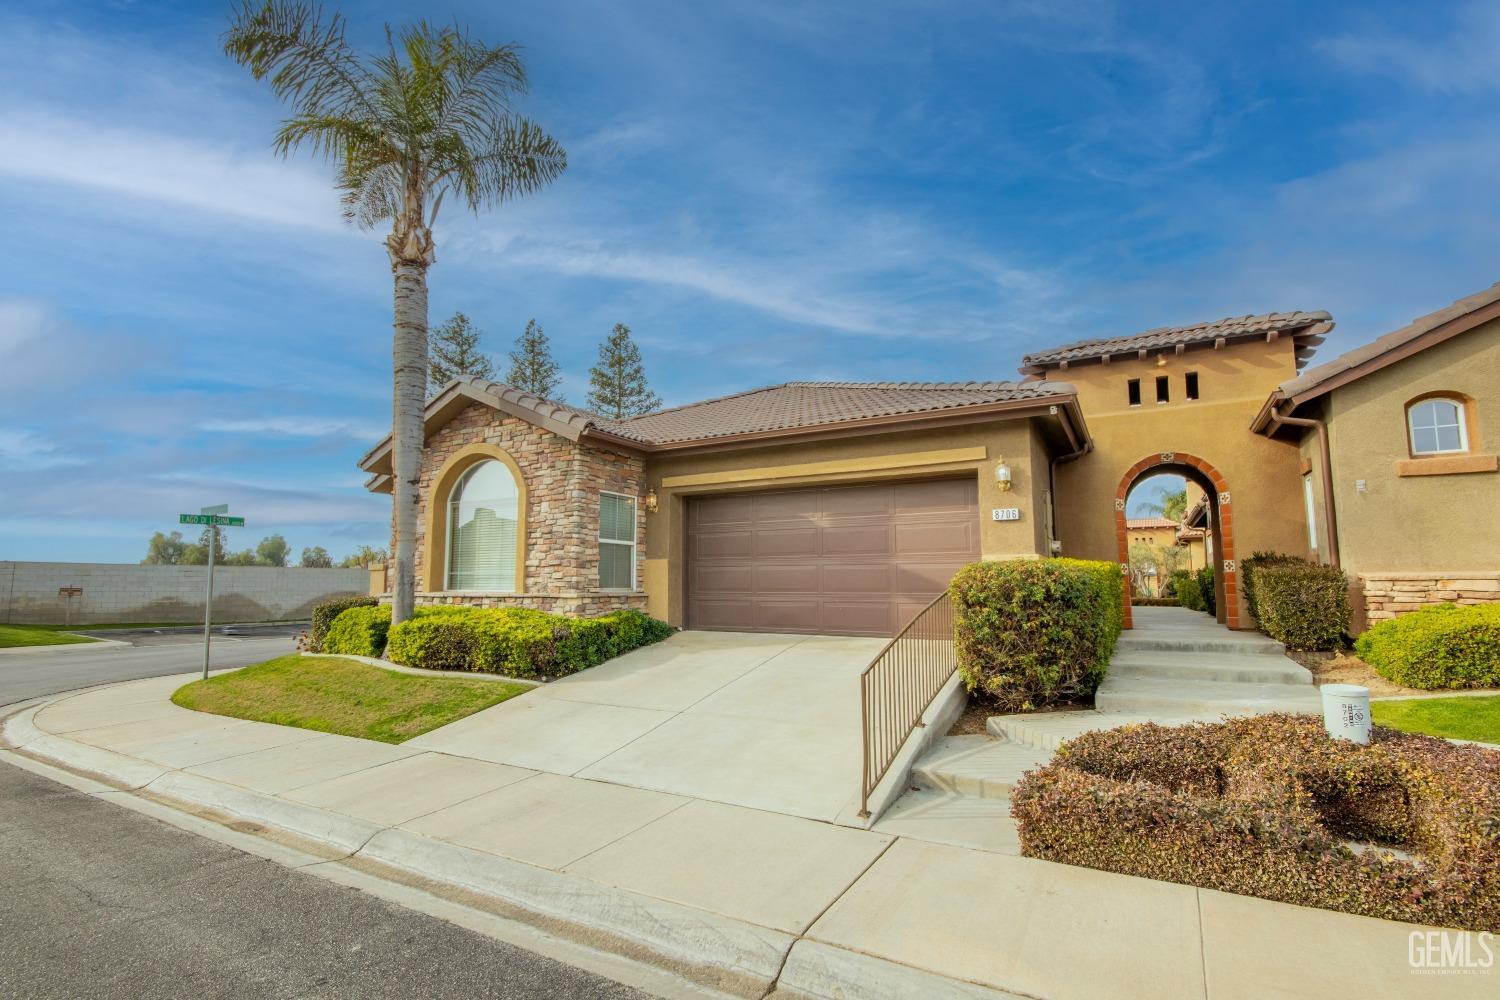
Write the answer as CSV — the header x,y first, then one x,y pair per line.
x,y
856,560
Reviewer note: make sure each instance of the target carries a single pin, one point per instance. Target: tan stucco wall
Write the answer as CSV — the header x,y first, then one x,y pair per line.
x,y
1262,474
1402,523
968,450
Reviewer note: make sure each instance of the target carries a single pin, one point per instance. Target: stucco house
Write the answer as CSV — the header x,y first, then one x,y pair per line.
x,y
1398,485
844,507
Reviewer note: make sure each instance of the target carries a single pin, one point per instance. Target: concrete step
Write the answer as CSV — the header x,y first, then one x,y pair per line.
x,y
1234,668
1155,697
942,818
1218,640
1048,730
976,766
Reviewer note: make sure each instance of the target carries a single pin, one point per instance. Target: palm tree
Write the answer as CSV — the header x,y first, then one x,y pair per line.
x,y
428,117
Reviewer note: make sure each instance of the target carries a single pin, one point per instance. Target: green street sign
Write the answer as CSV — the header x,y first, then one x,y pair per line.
x,y
220,519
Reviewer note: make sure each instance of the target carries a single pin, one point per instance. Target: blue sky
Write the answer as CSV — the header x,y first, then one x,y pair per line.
x,y
764,191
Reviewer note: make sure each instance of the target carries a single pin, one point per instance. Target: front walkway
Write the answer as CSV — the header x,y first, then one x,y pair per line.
x,y
766,721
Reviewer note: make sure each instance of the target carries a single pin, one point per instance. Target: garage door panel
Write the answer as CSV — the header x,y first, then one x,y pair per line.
x,y
937,536
857,540
872,578
793,578
855,560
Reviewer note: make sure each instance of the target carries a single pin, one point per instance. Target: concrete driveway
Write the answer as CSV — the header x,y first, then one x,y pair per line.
x,y
765,721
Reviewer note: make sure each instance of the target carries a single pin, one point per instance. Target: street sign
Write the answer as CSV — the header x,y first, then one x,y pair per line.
x,y
220,519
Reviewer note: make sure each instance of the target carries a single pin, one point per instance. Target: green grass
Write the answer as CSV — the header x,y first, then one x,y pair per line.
x,y
36,635
1476,718
335,695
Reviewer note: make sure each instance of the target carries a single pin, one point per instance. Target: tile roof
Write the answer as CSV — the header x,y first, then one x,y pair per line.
x,y
1141,523
796,405
1307,327
1313,378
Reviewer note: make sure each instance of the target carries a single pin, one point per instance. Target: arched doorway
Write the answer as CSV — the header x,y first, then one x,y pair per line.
x,y
1221,523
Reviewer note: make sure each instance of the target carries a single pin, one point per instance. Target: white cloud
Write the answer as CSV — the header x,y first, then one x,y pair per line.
x,y
24,450
311,427
44,145
1463,61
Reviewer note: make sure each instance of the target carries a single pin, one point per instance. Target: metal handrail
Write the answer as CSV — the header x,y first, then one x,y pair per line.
x,y
898,685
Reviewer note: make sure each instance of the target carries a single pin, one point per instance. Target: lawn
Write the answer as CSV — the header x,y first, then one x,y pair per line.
x,y
334,695
1476,718
36,635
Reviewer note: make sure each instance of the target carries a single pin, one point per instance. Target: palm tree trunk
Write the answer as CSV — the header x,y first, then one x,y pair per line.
x,y
408,430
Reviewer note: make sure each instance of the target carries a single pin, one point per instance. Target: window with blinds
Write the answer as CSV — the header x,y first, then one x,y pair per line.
x,y
616,542
482,514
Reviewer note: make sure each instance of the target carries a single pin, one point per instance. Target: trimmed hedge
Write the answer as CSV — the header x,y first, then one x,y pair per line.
x,y
1263,806
1033,632
1188,590
324,614
359,631
518,642
1443,646
1256,561
1206,588
1303,605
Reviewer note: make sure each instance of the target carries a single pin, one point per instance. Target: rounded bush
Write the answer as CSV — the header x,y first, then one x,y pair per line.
x,y
1443,646
359,631
1032,632
324,614
1406,828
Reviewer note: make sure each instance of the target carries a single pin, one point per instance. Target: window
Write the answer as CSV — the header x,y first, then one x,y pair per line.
x,y
1191,380
1135,392
1163,389
1437,427
616,542
1312,512
482,514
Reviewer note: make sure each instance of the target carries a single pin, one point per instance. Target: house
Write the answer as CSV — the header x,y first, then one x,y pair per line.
x,y
845,507
1398,486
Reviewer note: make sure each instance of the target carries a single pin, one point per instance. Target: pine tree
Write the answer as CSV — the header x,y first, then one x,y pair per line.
x,y
531,364
453,351
617,383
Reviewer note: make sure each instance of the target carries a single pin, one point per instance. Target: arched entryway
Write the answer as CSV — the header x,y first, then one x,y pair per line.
x,y
1221,523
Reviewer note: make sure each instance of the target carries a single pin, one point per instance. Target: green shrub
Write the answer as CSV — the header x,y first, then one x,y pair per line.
x,y
1444,646
1188,590
1030,633
1256,561
324,614
1265,806
518,642
359,631
1206,588
1300,604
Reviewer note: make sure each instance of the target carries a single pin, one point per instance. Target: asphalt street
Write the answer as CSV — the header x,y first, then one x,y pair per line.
x,y
25,675
101,901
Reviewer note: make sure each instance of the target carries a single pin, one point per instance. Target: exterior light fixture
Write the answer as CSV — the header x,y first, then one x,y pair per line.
x,y
1002,476
651,501
1161,361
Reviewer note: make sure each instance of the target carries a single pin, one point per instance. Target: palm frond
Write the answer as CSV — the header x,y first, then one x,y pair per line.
x,y
518,157
309,61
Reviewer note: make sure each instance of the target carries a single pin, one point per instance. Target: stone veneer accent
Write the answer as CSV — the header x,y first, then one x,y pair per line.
x,y
563,482
1390,594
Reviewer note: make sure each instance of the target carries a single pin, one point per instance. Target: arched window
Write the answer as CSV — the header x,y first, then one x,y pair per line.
x,y
482,514
1437,427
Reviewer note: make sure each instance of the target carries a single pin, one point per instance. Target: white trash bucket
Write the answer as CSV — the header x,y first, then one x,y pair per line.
x,y
1346,712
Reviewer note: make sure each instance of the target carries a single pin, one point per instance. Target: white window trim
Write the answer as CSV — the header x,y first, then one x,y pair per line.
x,y
448,539
634,542
1463,426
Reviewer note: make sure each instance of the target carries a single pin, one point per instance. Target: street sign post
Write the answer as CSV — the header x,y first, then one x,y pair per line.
x,y
215,516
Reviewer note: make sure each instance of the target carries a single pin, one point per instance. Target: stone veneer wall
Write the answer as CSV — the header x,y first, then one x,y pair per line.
x,y
563,482
1387,595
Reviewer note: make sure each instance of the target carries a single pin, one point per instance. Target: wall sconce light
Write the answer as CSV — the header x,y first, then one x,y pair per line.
x,y
651,501
1161,361
1002,476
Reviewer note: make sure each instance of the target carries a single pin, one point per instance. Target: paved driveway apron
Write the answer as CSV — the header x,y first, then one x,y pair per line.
x,y
766,721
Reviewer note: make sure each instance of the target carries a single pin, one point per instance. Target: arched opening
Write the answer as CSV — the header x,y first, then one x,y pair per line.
x,y
1218,518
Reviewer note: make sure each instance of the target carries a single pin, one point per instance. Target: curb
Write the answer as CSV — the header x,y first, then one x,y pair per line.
x,y
706,951
67,647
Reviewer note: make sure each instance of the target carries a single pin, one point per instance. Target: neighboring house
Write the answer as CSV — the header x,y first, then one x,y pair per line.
x,y
827,507
1404,494
842,507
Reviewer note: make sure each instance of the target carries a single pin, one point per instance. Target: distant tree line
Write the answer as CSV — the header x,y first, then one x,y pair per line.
x,y
617,381
174,550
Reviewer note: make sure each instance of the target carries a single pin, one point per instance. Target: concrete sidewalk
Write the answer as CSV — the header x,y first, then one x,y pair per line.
x,y
733,899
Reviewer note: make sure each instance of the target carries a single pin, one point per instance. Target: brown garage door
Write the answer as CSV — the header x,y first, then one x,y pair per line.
x,y
855,560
